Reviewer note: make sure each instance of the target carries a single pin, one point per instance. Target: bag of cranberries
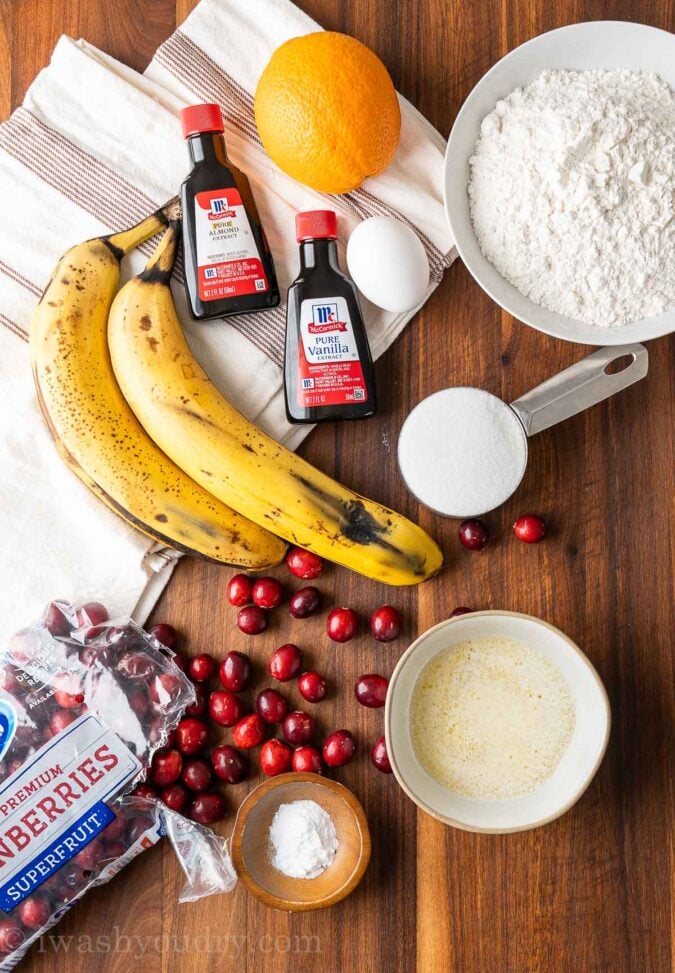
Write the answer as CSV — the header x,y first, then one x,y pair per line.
x,y
85,702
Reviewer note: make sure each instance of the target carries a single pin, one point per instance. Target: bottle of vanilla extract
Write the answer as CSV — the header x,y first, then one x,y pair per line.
x,y
228,264
328,369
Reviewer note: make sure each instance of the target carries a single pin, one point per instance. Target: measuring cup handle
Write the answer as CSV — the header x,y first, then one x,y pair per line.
x,y
579,387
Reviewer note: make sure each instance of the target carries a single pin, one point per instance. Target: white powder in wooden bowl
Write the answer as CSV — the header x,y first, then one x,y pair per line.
x,y
303,839
491,718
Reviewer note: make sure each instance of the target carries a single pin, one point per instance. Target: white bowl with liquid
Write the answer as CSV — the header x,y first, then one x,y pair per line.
x,y
578,764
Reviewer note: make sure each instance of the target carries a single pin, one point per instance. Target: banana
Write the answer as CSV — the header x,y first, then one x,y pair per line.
x,y
196,426
95,431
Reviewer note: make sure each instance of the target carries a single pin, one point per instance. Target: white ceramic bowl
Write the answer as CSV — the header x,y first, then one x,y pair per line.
x,y
577,766
580,47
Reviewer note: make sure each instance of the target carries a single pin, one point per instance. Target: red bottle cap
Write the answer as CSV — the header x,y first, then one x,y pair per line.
x,y
201,118
317,224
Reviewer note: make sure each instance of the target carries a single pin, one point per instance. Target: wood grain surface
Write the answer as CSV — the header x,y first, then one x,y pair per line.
x,y
589,892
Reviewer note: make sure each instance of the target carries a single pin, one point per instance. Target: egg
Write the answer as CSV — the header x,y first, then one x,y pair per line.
x,y
388,263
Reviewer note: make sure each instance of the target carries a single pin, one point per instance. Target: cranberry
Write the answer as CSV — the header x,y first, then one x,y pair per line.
x,y
175,797
92,613
385,624
196,775
202,667
23,646
380,757
92,656
8,680
139,828
285,663
298,727
339,748
89,858
192,735
166,634
113,851
208,808
34,911
529,529
180,661
68,690
267,592
473,534
73,881
307,760
462,610
271,706
312,686
371,690
135,665
156,733
304,564
116,829
144,790
252,620
200,705
305,602
248,732
11,936
164,688
229,764
235,671
166,768
61,719
239,590
275,758
225,708
342,624
55,619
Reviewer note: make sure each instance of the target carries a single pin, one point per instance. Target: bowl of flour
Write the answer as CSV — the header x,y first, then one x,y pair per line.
x,y
559,183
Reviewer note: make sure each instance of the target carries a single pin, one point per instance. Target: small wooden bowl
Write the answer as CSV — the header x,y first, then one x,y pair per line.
x,y
250,843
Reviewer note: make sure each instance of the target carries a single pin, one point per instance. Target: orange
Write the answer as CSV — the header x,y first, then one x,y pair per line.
x,y
327,111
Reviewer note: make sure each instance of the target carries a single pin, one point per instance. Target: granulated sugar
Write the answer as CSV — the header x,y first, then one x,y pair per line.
x,y
491,718
571,193
462,452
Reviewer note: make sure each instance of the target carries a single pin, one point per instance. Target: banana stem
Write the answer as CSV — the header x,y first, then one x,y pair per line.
x,y
124,241
160,265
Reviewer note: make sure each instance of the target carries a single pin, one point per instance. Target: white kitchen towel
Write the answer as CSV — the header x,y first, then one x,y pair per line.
x,y
95,147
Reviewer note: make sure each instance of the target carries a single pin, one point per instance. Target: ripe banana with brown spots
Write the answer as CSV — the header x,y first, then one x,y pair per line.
x,y
96,432
190,420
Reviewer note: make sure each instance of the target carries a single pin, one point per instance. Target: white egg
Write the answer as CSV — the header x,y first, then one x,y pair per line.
x,y
388,263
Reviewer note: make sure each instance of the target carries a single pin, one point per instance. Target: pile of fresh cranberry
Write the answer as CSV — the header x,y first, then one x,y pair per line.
x,y
183,774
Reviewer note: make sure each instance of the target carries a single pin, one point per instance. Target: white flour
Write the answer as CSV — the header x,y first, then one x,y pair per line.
x,y
303,839
571,193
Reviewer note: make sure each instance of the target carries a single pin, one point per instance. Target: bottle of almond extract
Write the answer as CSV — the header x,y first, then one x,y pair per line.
x,y
328,370
228,265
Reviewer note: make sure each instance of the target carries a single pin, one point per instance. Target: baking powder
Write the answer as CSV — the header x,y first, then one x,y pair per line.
x,y
303,839
571,193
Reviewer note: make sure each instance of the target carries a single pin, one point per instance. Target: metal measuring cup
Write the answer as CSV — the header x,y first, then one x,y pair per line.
x,y
429,436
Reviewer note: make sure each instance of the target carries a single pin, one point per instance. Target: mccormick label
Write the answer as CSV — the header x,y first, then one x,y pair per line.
x,y
228,262
54,805
329,368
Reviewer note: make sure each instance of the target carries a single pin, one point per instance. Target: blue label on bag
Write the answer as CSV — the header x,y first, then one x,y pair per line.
x,y
55,855
54,805
7,726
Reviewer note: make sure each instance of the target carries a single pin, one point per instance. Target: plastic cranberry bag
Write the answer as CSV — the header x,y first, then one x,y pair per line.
x,y
85,702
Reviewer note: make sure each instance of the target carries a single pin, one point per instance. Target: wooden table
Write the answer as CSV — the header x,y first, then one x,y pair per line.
x,y
589,892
